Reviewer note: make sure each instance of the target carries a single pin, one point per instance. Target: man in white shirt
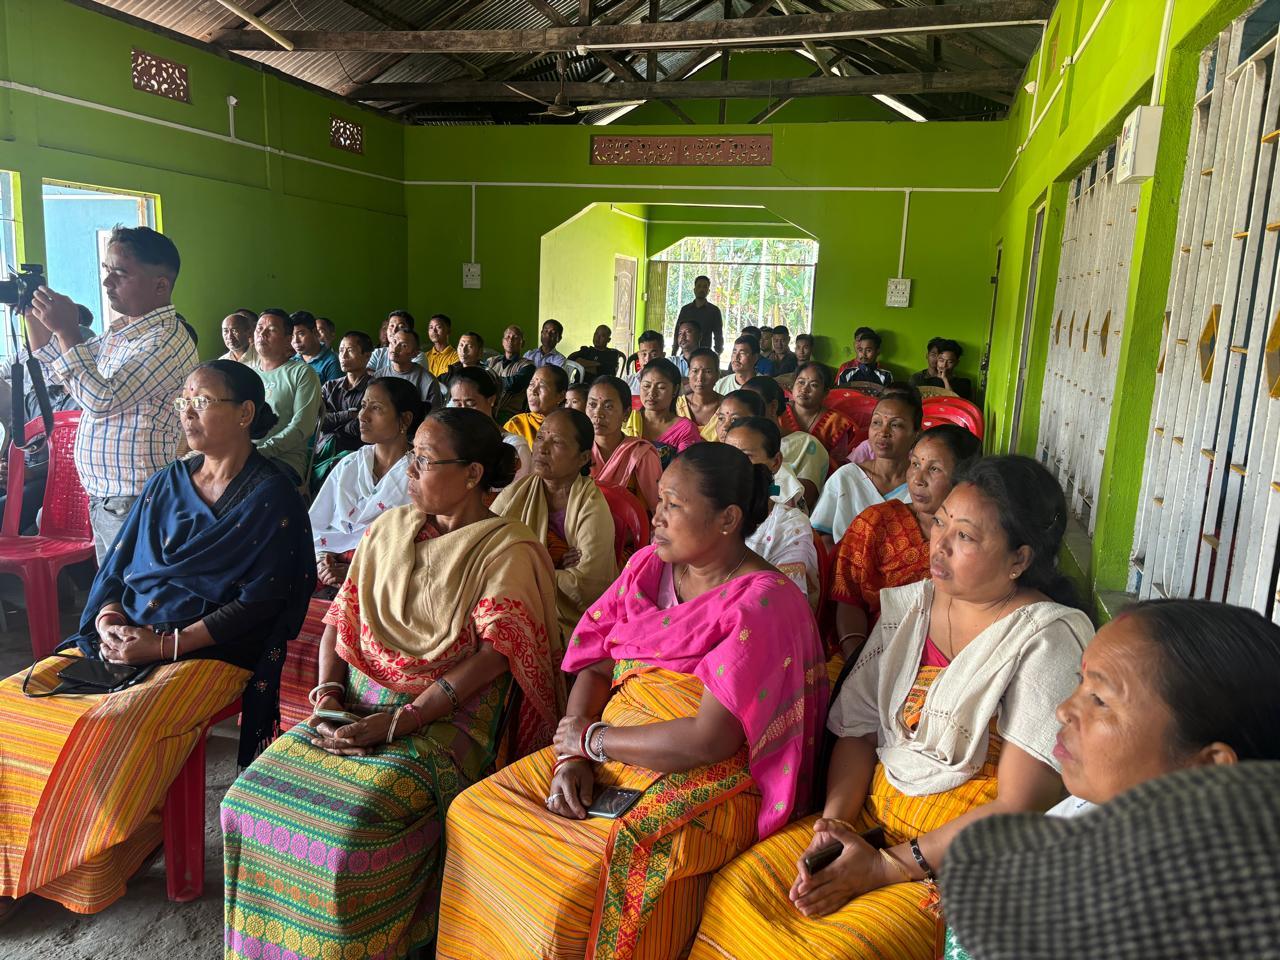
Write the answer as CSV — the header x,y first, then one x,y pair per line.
x,y
237,334
404,351
742,364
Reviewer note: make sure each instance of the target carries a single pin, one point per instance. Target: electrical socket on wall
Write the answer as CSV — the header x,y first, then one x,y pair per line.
x,y
899,293
471,276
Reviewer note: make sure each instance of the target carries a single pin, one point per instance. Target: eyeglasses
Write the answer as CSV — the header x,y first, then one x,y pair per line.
x,y
199,404
422,464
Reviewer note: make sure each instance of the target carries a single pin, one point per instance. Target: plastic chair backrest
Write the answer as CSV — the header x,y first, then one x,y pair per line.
x,y
955,410
576,372
630,521
65,511
854,404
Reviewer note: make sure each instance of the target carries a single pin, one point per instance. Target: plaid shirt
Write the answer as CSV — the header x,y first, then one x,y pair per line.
x,y
125,381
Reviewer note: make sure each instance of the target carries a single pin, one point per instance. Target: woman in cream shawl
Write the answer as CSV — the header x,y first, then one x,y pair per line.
x,y
562,505
439,646
946,717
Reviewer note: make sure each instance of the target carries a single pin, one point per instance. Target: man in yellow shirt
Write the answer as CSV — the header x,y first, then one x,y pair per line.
x,y
441,354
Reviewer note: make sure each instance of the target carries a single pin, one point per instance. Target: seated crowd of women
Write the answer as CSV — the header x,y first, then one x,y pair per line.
x,y
510,747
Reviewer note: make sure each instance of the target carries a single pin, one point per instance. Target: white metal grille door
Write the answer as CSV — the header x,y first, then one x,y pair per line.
x,y
1087,323
1210,507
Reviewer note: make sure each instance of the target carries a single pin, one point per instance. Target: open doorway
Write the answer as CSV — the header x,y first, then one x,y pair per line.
x,y
78,221
756,281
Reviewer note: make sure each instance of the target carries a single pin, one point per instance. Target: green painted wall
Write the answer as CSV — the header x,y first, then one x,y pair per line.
x,y
763,66
254,228
576,281
1113,74
840,182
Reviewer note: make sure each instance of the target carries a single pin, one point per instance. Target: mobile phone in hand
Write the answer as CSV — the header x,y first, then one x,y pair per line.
x,y
823,857
339,717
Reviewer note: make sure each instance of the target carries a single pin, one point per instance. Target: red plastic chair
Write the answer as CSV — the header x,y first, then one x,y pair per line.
x,y
955,410
183,820
826,609
854,404
630,521
65,535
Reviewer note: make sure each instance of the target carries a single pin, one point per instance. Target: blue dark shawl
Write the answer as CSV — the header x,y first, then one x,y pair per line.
x,y
177,560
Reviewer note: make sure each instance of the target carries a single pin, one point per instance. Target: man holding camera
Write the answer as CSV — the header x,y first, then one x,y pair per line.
x,y
124,380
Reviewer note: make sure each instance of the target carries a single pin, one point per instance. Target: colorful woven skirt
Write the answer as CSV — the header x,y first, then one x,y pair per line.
x,y
522,882
339,857
83,778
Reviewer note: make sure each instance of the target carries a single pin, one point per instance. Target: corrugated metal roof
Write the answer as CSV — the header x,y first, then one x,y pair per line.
x,y
338,72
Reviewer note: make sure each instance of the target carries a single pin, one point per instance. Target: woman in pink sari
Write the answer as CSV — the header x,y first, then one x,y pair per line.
x,y
701,687
630,462
656,420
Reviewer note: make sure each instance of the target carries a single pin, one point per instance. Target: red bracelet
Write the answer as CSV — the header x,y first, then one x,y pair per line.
x,y
116,616
561,761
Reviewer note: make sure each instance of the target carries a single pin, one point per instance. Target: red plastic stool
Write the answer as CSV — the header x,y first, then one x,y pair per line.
x,y
183,820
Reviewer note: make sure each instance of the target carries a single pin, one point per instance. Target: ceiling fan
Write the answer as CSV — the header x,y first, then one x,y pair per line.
x,y
560,106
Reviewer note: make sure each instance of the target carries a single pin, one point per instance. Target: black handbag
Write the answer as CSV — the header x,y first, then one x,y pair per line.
x,y
85,675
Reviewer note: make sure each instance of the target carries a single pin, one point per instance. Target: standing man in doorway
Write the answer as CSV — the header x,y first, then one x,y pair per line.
x,y
124,380
707,315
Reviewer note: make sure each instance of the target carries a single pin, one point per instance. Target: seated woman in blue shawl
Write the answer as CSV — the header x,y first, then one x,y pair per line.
x,y
207,581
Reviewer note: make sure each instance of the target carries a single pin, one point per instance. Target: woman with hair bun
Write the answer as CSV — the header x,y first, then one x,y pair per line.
x,y
204,585
437,660
946,717
700,686
1168,685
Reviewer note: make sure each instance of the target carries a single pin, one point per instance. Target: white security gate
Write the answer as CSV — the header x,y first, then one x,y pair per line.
x,y
1088,320
1210,506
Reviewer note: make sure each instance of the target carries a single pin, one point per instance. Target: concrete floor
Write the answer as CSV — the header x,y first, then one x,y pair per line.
x,y
142,925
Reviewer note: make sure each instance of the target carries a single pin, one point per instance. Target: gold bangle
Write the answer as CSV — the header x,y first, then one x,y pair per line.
x,y
844,823
898,865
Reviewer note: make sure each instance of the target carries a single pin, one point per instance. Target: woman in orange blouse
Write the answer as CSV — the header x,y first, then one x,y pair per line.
x,y
887,545
805,412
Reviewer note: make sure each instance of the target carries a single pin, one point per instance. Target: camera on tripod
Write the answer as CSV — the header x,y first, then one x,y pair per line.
x,y
20,289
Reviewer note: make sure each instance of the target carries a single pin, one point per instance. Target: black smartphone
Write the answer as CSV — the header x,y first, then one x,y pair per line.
x,y
823,857
97,673
613,802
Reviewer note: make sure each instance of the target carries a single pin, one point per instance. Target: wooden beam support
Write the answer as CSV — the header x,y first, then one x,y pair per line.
x,y
463,91
898,21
